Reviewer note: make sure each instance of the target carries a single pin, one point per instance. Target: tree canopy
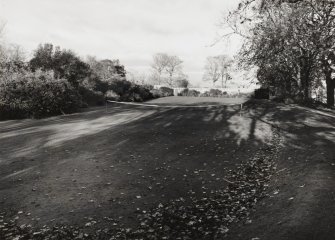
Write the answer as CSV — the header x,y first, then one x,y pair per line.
x,y
292,42
64,63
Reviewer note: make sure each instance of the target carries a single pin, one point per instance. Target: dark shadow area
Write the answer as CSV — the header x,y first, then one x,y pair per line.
x,y
302,205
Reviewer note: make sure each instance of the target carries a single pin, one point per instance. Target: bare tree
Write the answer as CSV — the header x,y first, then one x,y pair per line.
x,y
16,53
224,63
11,52
212,71
167,68
173,68
159,65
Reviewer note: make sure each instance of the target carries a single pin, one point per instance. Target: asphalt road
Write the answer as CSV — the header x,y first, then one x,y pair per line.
x,y
110,163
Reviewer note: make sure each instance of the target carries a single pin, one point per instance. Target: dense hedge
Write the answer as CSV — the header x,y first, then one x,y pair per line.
x,y
39,94
123,90
189,93
91,97
166,92
162,92
42,88
262,93
213,93
216,93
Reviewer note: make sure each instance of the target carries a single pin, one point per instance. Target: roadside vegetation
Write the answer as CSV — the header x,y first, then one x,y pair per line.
x,y
291,44
57,81
211,93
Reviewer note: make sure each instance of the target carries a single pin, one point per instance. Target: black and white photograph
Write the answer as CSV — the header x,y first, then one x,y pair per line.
x,y
167,119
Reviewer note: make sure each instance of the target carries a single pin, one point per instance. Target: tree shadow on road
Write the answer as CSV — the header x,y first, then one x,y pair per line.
x,y
116,163
97,163
305,178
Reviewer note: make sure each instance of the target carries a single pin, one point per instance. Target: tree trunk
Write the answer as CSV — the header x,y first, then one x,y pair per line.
x,y
330,93
288,88
330,83
330,89
305,85
305,75
170,80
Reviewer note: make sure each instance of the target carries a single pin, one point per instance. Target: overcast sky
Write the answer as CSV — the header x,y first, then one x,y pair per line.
x,y
128,30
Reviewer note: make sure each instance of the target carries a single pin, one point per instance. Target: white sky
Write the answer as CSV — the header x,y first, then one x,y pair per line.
x,y
128,30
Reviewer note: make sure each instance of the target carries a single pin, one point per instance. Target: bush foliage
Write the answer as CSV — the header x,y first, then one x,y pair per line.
x,y
123,90
162,92
91,97
36,94
57,81
166,92
189,93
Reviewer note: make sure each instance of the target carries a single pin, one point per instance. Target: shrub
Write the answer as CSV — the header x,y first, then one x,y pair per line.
x,y
148,86
91,97
182,83
120,87
189,93
144,92
137,93
111,95
205,94
122,90
156,93
184,92
94,83
262,93
162,92
194,93
118,90
215,93
166,92
38,94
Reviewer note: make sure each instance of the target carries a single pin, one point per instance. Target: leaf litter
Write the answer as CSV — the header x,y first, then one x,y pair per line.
x,y
191,217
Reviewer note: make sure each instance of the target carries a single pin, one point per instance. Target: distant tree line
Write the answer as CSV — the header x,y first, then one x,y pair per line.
x,y
291,42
